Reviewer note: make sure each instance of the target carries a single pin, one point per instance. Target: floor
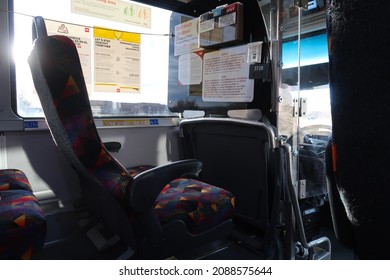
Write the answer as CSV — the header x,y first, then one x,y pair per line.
x,y
66,240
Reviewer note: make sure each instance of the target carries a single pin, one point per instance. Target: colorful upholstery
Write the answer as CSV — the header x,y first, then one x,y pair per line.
x,y
201,206
77,137
13,179
22,223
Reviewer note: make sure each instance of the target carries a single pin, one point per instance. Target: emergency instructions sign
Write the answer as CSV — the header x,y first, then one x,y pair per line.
x,y
226,76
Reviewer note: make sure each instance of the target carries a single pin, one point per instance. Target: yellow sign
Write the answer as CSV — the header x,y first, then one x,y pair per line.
x,y
117,64
117,35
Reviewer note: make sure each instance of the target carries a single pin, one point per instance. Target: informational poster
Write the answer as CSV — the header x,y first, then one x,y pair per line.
x,y
190,68
226,76
114,10
81,36
186,37
117,61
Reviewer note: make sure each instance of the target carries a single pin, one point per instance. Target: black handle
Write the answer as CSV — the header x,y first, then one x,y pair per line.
x,y
113,147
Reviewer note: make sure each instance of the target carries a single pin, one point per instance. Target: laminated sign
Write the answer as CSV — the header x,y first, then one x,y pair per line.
x,y
226,76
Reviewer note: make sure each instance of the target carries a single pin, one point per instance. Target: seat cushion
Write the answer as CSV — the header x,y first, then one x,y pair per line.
x,y
22,222
22,225
200,205
13,179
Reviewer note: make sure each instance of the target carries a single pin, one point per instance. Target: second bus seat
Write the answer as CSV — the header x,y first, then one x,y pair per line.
x,y
238,155
22,221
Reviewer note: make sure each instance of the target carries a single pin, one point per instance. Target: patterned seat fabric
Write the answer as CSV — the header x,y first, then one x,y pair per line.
x,y
22,223
200,205
13,179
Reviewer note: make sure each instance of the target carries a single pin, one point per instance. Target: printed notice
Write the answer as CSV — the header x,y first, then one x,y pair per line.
x,y
115,10
186,37
226,76
190,68
81,36
117,61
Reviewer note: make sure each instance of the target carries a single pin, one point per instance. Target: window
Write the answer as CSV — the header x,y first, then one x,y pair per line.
x,y
123,47
314,81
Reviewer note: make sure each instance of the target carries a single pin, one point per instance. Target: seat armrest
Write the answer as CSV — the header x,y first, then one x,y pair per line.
x,y
147,185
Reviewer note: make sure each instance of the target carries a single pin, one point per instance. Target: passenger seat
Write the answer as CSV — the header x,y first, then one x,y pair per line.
x,y
22,222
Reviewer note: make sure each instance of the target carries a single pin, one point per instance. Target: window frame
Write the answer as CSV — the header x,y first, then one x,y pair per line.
x,y
35,122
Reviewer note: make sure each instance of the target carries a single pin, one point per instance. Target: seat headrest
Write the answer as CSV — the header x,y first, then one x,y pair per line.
x,y
38,28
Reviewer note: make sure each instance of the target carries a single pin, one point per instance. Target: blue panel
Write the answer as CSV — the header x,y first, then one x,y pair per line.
x,y
154,122
314,50
30,124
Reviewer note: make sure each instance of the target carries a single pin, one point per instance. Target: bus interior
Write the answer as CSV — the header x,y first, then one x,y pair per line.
x,y
191,130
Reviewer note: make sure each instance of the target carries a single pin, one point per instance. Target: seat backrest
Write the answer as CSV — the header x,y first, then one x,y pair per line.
x,y
360,119
60,84
237,156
